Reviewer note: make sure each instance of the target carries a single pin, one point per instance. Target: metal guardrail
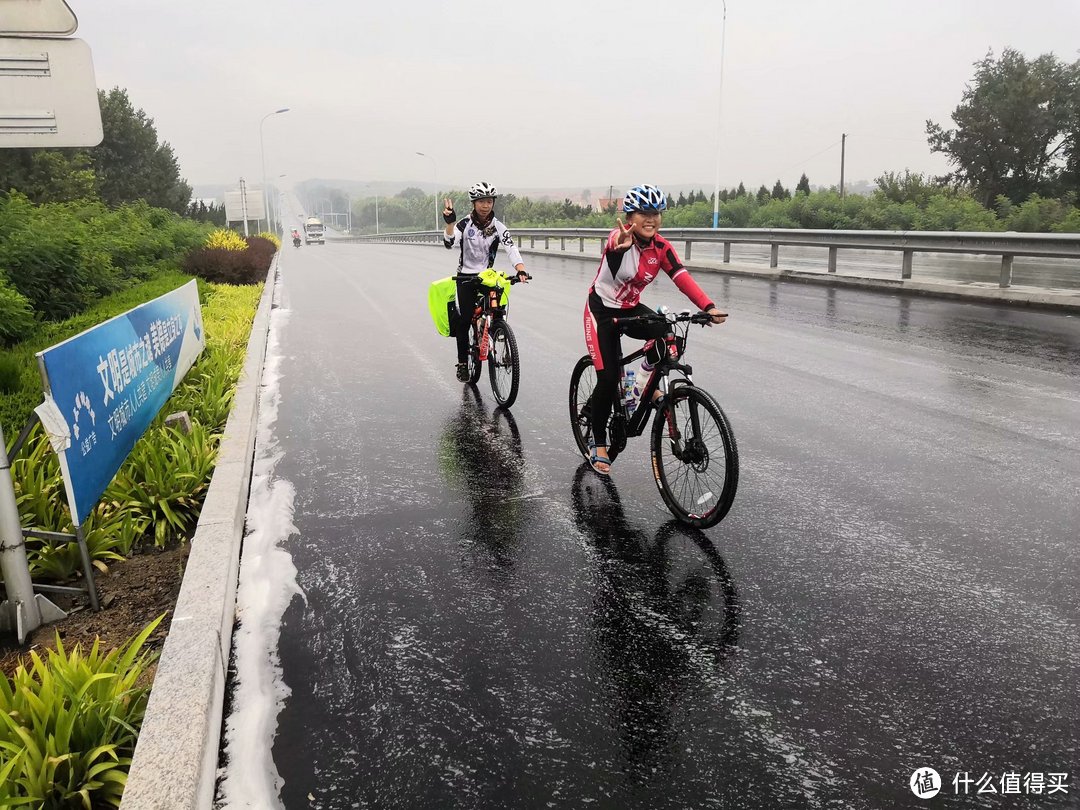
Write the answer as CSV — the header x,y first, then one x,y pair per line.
x,y
1005,245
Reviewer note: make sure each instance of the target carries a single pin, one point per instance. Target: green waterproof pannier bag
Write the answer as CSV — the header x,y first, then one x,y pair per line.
x,y
441,295
493,278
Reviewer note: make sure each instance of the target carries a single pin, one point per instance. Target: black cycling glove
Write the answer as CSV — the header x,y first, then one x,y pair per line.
x,y
450,218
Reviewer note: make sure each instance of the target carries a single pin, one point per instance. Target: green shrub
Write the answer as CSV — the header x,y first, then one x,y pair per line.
x,y
1070,224
69,723
1037,215
10,372
62,257
164,481
16,314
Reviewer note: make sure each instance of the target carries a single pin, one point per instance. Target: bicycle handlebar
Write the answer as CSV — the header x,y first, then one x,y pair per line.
x,y
702,318
474,277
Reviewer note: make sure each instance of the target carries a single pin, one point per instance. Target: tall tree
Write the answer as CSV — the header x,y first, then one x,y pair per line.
x,y
48,175
1012,126
803,186
740,191
779,192
763,194
130,163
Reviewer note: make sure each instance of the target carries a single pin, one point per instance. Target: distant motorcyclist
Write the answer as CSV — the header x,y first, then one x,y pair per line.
x,y
296,237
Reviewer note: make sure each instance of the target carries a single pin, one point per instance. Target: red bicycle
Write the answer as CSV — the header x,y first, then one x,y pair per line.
x,y
492,341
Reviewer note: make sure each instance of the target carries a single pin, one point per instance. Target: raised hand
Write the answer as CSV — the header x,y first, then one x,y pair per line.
x,y
448,210
625,237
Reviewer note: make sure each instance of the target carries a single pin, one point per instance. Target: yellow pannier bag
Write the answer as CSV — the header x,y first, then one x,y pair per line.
x,y
493,278
441,295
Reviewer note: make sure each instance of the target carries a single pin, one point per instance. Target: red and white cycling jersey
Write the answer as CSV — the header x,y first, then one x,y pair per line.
x,y
623,274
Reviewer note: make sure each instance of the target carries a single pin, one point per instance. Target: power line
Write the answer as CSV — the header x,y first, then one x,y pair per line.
x,y
804,161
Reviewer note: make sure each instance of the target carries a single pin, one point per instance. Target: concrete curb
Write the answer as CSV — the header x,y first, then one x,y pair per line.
x,y
1068,300
176,758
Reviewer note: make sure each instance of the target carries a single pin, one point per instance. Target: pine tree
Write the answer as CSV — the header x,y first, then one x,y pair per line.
x,y
804,185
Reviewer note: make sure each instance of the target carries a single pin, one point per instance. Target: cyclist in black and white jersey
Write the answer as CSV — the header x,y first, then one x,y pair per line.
x,y
478,236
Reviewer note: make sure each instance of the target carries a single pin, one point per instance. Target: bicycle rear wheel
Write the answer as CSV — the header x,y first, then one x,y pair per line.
x,y
582,383
694,457
504,368
475,365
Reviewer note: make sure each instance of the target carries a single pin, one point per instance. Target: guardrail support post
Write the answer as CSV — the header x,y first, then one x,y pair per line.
x,y
581,245
774,255
547,243
688,244
832,260
905,269
1006,271
727,252
532,241
562,243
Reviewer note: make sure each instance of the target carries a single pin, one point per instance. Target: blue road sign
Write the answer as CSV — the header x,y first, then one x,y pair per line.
x,y
104,387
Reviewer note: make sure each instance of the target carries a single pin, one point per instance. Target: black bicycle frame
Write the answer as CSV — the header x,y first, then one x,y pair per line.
x,y
639,419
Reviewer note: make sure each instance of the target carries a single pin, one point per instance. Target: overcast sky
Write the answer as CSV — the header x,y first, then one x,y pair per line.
x,y
575,94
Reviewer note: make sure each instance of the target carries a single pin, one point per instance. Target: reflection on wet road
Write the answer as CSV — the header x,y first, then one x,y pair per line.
x,y
489,624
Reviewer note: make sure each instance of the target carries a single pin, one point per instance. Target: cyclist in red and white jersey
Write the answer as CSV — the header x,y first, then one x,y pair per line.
x,y
635,254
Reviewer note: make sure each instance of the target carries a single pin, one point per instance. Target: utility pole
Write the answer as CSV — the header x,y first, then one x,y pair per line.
x,y
843,143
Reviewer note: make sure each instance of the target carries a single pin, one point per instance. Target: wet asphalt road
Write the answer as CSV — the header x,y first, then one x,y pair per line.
x,y
487,625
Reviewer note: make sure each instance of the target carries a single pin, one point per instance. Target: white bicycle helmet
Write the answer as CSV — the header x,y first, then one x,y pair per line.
x,y
644,198
482,190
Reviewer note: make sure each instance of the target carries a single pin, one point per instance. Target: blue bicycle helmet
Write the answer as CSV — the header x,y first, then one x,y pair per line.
x,y
644,198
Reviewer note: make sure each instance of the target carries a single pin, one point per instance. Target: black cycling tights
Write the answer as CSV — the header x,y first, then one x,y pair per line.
x,y
608,378
467,293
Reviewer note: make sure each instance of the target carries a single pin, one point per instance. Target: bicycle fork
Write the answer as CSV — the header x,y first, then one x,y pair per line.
x,y
484,342
691,451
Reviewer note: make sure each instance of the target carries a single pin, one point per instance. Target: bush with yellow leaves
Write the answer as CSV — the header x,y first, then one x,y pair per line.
x,y
271,237
225,240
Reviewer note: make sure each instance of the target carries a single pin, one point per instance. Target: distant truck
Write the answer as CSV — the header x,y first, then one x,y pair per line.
x,y
313,231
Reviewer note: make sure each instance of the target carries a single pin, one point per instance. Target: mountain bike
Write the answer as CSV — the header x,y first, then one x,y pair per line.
x,y
695,460
492,340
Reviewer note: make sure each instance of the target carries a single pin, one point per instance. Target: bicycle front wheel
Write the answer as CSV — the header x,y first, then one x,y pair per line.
x,y
504,368
475,364
694,457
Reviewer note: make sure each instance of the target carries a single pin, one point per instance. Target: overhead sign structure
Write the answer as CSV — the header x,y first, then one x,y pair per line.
x,y
48,96
104,387
51,18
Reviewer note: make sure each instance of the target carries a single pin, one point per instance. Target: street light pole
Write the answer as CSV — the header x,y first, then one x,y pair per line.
x,y
719,120
435,173
262,152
